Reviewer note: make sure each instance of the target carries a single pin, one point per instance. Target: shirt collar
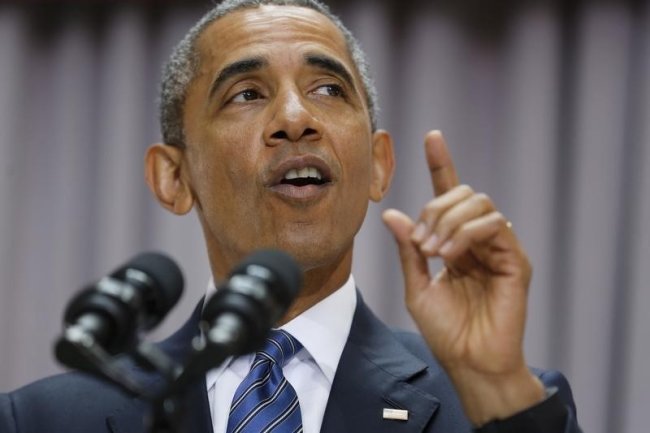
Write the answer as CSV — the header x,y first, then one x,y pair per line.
x,y
323,330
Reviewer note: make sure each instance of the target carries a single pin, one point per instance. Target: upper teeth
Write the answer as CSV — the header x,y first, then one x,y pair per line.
x,y
303,173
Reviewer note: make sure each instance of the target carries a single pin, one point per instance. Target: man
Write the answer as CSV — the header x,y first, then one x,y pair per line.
x,y
270,134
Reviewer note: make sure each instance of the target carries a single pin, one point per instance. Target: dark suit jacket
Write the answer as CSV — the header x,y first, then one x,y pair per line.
x,y
379,368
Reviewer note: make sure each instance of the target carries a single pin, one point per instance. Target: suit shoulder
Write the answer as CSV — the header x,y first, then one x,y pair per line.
x,y
64,403
415,344
65,387
7,417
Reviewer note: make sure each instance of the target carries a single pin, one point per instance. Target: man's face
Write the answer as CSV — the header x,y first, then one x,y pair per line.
x,y
279,145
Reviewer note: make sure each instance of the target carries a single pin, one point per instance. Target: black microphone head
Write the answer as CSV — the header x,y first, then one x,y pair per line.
x,y
110,312
278,268
162,281
258,292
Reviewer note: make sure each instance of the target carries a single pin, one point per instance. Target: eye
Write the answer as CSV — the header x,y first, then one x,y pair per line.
x,y
246,95
330,90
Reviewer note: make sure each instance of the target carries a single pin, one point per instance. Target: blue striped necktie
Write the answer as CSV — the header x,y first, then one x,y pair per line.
x,y
265,402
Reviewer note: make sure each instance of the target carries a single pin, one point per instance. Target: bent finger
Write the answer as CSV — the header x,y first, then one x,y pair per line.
x,y
491,228
433,210
454,219
414,265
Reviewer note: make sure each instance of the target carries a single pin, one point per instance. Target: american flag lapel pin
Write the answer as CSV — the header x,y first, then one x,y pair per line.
x,y
396,414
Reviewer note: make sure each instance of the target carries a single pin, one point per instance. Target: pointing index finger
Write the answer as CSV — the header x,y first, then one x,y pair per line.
x,y
441,166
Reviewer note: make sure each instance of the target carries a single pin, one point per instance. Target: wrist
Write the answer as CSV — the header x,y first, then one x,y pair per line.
x,y
489,397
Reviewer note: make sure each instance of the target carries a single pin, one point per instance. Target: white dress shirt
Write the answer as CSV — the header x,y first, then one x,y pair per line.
x,y
323,331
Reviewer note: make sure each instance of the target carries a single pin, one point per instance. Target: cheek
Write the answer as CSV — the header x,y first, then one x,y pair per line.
x,y
227,156
216,177
356,157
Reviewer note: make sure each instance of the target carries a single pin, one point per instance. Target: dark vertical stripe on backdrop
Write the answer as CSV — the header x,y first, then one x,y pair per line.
x,y
564,181
629,199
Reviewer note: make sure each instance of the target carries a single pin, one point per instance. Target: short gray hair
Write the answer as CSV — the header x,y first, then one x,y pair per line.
x,y
184,62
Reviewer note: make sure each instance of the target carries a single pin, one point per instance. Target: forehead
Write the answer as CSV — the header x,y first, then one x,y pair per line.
x,y
266,29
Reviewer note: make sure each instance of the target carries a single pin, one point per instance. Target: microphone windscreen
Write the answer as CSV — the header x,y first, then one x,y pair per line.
x,y
165,276
287,276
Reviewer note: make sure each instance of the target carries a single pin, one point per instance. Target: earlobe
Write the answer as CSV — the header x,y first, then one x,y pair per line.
x,y
163,172
383,164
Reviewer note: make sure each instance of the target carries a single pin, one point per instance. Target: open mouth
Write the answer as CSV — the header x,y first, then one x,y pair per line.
x,y
304,177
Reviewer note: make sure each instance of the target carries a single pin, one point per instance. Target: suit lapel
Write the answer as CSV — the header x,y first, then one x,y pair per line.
x,y
375,372
128,418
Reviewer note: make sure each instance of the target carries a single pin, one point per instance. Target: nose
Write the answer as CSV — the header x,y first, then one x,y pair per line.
x,y
291,120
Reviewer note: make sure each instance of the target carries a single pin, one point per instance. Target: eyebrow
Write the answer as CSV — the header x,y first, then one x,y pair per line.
x,y
256,63
237,68
331,65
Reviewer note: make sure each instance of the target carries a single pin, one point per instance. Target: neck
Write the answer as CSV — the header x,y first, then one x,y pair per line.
x,y
318,284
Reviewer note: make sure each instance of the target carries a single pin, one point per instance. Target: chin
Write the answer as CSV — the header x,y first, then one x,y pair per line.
x,y
312,253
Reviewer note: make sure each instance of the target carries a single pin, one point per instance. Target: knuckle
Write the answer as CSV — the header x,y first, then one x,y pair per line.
x,y
444,225
499,218
446,230
526,269
464,231
433,208
484,200
528,266
465,189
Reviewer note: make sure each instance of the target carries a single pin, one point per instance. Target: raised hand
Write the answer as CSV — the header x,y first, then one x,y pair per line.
x,y
473,312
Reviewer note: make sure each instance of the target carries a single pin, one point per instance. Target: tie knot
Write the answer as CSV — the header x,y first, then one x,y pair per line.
x,y
279,348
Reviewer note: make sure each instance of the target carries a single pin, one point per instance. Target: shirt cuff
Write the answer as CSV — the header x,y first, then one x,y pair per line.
x,y
548,416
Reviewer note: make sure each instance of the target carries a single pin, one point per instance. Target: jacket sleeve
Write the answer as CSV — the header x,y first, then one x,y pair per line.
x,y
556,414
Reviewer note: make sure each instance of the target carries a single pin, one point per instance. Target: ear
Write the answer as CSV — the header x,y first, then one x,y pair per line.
x,y
383,164
163,168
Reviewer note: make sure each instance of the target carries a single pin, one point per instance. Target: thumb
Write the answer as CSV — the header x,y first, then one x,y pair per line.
x,y
414,264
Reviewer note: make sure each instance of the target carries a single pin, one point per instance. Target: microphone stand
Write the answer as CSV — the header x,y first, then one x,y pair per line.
x,y
79,350
210,350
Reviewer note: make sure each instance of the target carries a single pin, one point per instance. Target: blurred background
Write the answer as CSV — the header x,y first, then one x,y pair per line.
x,y
545,104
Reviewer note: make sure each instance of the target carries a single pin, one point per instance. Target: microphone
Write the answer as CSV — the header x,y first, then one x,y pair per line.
x,y
112,312
237,318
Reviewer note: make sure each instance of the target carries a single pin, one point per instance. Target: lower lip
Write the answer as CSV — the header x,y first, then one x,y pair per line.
x,y
301,193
